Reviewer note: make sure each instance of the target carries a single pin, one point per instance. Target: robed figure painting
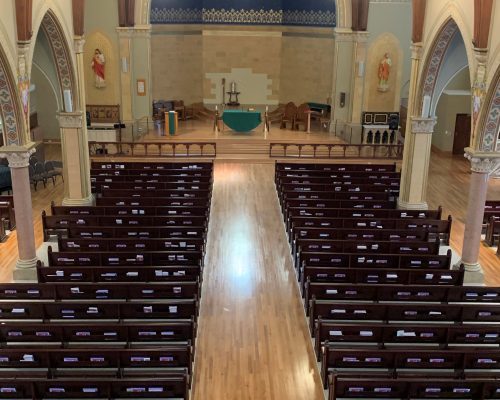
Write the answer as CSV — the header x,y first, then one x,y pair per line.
x,y
384,69
98,62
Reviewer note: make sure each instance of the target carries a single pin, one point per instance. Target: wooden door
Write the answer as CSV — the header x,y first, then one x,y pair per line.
x,y
461,138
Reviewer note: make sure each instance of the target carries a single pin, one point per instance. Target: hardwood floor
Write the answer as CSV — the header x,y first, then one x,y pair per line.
x,y
253,340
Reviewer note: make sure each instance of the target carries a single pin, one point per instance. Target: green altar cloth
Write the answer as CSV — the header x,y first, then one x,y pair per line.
x,y
241,121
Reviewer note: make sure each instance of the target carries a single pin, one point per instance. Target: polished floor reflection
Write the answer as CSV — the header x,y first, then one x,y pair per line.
x,y
253,341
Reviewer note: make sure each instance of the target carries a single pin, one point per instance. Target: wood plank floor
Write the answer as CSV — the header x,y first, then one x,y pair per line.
x,y
253,340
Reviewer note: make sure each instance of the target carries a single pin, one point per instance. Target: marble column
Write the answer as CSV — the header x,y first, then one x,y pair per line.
x,y
359,49
483,164
18,157
419,131
75,154
418,141
342,81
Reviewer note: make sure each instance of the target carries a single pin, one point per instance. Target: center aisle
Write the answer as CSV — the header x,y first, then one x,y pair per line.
x,y
253,341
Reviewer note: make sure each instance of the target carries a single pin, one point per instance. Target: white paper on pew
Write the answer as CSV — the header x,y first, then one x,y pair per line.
x,y
172,309
491,335
335,333
359,311
18,310
8,390
177,290
331,291
28,358
402,333
92,310
160,273
155,389
366,333
89,390
75,290
338,311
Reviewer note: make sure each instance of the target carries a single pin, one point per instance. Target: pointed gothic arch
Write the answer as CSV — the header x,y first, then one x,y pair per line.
x,y
10,107
489,125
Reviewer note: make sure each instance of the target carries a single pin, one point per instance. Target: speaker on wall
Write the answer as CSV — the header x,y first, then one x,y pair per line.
x,y
342,99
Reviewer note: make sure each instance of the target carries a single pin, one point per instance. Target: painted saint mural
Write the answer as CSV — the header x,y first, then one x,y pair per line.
x,y
98,63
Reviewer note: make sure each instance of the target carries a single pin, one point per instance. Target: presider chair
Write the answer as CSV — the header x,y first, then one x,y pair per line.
x,y
289,115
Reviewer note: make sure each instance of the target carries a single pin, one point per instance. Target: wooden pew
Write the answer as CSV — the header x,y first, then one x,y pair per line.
x,y
119,273
136,232
433,226
386,276
101,362
148,187
169,194
409,313
149,166
78,334
110,258
406,361
98,310
381,335
130,210
285,167
202,201
126,244
355,260
371,387
492,231
99,291
59,224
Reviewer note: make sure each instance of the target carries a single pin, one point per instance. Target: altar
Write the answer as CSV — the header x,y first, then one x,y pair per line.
x,y
241,121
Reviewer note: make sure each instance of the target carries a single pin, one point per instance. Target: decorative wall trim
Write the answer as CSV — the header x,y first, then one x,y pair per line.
x,y
243,16
436,56
59,49
492,121
9,113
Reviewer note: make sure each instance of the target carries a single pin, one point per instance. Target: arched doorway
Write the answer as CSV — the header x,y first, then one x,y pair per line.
x,y
53,87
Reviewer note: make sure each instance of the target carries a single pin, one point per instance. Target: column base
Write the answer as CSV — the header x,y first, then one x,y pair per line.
x,y
355,130
474,274
403,205
26,270
88,201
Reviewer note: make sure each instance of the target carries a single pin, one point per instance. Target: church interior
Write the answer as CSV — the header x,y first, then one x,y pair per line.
x,y
250,199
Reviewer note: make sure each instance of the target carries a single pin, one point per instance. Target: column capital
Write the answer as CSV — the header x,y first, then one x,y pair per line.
x,y
70,119
79,42
134,31
343,34
422,125
360,36
416,51
483,162
18,156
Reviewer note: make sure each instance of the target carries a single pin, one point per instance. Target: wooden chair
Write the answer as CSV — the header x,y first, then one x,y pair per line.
x,y
301,116
289,115
184,112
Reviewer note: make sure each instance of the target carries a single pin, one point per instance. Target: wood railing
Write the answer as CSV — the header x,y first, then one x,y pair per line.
x,y
153,149
333,151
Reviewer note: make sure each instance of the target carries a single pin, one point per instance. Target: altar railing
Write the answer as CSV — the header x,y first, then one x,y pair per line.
x,y
153,149
333,151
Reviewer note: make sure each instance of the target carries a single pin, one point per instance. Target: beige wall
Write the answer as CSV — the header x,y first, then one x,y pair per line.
x,y
176,62
306,69
252,59
269,64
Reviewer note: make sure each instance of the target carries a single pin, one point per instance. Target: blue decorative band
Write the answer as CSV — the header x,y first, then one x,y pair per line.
x,y
242,16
